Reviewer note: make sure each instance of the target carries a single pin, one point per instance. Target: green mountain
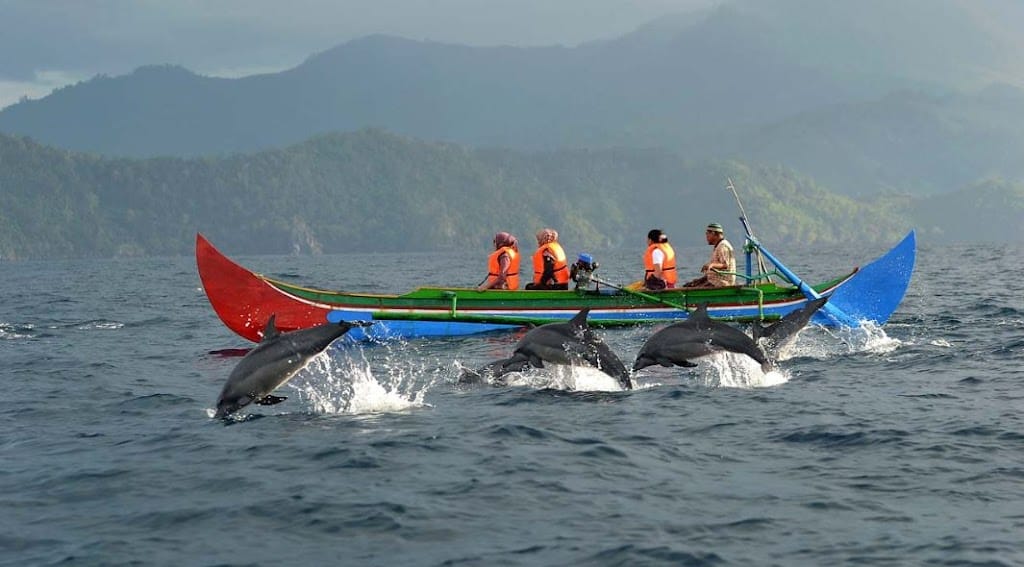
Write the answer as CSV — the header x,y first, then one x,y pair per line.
x,y
598,95
907,142
699,83
987,211
376,191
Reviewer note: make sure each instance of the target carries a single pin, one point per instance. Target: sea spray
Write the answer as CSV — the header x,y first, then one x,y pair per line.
x,y
569,378
339,383
868,338
732,370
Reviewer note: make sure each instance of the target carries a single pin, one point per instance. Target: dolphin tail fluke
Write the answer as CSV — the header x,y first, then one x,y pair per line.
x,y
787,328
757,330
470,376
270,400
626,382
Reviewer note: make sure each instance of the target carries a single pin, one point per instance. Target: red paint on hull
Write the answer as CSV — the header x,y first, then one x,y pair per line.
x,y
244,301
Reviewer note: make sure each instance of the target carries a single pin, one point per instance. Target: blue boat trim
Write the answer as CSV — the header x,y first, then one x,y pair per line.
x,y
871,293
877,289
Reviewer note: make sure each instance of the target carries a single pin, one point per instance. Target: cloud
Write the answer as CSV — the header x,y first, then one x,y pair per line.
x,y
38,86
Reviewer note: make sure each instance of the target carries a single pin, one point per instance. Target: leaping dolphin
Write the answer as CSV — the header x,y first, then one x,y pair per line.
x,y
697,336
277,358
784,331
572,342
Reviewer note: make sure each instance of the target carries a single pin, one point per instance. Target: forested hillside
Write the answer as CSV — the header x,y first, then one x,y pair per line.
x,y
908,142
986,211
375,191
868,96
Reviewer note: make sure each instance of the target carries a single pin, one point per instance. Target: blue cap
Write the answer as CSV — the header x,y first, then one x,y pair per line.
x,y
586,258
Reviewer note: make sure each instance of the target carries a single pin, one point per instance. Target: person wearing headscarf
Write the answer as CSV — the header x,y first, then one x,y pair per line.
x,y
550,268
659,262
502,264
720,270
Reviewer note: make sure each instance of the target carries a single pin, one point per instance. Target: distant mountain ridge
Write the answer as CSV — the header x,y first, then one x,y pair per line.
x,y
908,142
599,95
711,85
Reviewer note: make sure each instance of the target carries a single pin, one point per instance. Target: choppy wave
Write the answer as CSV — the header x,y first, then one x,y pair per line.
x,y
99,324
13,331
893,446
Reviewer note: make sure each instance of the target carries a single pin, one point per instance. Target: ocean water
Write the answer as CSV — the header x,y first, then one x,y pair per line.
x,y
902,445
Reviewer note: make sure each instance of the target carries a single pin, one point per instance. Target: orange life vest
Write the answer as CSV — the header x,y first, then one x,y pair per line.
x,y
668,267
494,268
561,266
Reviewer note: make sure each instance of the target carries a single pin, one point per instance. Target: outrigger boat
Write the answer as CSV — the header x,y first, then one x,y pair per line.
x,y
244,300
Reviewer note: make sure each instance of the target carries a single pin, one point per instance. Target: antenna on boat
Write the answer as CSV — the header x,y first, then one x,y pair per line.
x,y
762,268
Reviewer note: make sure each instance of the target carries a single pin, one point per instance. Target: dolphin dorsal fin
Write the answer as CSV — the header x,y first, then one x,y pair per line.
x,y
579,320
270,331
701,314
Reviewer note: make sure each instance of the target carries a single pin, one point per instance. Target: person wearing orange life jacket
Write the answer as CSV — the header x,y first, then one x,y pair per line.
x,y
659,262
550,268
502,264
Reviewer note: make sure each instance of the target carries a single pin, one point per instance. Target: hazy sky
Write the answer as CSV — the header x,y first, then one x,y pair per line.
x,y
46,44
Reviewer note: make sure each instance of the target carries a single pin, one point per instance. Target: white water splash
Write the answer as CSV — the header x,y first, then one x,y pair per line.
x,y
569,378
336,384
822,343
10,331
102,325
554,376
732,370
720,370
868,338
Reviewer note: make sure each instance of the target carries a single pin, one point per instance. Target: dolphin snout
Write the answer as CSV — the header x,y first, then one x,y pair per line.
x,y
226,408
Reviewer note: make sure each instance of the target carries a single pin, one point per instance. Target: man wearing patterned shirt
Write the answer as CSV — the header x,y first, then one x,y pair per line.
x,y
721,268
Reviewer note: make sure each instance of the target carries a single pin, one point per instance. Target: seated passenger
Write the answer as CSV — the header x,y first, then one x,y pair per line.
x,y
659,262
502,264
550,269
720,270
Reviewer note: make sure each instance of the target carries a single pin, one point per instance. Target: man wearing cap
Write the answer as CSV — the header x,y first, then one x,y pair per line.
x,y
721,268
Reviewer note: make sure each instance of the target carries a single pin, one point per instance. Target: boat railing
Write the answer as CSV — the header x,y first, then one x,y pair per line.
x,y
455,300
751,278
760,299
